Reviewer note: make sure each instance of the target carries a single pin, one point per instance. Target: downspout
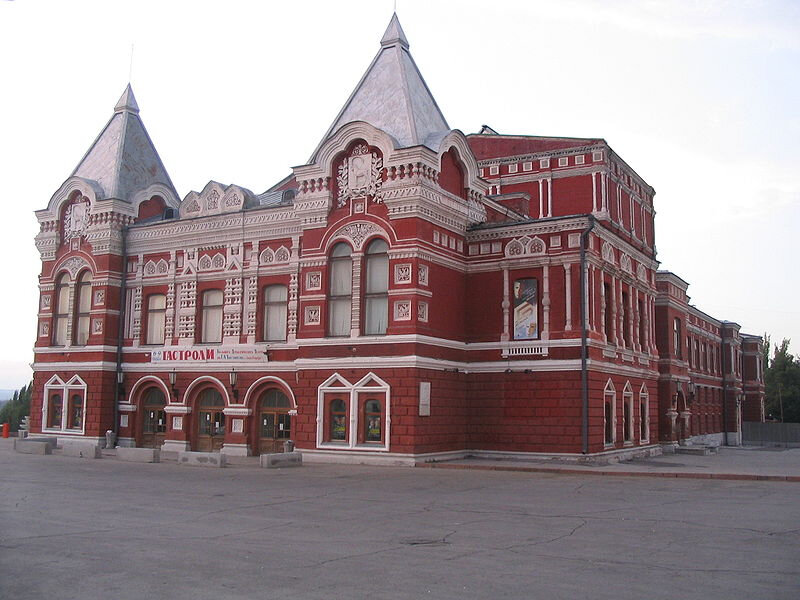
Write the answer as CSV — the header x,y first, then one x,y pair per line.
x,y
584,340
121,325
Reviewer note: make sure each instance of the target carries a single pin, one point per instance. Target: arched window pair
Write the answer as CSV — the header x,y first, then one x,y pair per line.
x,y
79,316
376,289
371,421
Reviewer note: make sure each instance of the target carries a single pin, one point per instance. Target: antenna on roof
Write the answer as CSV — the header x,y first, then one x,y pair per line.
x,y
130,66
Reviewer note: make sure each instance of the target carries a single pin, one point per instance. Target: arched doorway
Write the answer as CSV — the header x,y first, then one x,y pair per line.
x,y
274,421
210,421
154,419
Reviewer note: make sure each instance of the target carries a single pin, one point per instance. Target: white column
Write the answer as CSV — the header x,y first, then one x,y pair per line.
x,y
568,296
594,192
603,304
506,335
541,204
549,197
545,303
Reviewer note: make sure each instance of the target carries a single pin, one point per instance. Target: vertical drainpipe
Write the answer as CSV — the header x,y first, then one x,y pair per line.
x,y
121,324
584,340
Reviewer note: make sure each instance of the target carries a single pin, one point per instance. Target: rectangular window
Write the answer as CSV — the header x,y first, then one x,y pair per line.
x,y
212,316
607,310
156,318
562,162
676,337
275,313
526,309
640,308
513,168
626,322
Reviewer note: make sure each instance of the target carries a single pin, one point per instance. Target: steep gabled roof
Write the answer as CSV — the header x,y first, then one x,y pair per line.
x,y
123,160
393,96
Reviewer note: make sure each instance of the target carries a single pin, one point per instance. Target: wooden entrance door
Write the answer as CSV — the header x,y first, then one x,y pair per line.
x,y
275,422
154,419
210,421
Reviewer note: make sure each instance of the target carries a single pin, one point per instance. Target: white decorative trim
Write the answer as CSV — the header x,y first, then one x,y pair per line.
x,y
402,273
313,280
422,274
312,315
402,310
422,311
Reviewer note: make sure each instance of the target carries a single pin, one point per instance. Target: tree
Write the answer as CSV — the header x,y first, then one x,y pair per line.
x,y
782,383
18,407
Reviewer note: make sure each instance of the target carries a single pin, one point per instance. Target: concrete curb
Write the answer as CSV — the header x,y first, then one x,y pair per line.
x,y
606,473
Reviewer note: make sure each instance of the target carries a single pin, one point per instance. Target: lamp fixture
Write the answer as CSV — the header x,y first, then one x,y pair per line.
x,y
233,377
173,378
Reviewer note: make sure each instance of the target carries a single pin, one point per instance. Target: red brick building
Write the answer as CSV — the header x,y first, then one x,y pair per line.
x,y
411,293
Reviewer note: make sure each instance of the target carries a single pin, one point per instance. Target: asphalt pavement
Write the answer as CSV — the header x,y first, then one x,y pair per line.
x,y
85,529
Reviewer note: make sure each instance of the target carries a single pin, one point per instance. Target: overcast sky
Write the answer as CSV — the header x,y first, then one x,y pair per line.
x,y
700,98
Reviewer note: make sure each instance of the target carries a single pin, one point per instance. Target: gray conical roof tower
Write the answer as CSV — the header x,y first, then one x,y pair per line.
x,y
393,96
123,160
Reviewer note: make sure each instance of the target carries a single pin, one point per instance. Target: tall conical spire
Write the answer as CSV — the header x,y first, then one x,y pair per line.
x,y
393,96
123,160
394,34
127,101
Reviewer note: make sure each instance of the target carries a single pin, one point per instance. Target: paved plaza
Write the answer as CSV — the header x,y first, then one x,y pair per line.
x,y
84,529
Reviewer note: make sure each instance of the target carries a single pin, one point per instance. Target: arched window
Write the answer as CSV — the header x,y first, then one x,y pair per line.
x,y
83,305
377,288
610,414
373,429
275,297
156,318
212,316
54,411
75,414
338,420
61,315
154,418
341,290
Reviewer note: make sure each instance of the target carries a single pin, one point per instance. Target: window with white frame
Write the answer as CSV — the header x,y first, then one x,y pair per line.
x,y
275,313
644,414
211,331
627,413
353,415
83,307
376,298
64,407
340,290
676,336
609,414
156,318
61,311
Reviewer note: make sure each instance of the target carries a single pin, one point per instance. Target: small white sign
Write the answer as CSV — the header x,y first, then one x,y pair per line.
x,y
123,420
177,423
237,425
424,398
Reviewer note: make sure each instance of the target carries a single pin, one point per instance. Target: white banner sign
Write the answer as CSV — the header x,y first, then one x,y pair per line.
x,y
195,354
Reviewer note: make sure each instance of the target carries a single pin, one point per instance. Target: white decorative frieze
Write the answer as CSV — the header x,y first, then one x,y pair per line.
x,y
44,302
99,297
608,253
525,246
44,329
97,325
625,263
357,232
